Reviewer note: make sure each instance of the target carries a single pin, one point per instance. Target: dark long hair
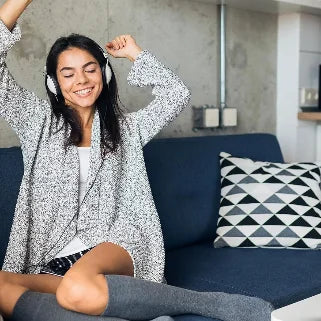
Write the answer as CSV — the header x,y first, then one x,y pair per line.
x,y
106,103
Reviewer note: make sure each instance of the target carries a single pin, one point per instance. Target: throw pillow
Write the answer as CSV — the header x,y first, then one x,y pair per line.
x,y
269,204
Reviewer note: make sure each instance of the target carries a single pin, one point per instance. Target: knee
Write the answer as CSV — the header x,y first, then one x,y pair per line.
x,y
70,292
83,294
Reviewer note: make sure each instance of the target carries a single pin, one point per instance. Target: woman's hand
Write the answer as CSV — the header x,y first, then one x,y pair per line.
x,y
123,46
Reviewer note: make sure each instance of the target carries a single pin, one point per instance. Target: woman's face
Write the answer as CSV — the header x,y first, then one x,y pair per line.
x,y
80,78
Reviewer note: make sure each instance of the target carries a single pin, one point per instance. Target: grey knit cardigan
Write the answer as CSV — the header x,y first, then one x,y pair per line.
x,y
118,206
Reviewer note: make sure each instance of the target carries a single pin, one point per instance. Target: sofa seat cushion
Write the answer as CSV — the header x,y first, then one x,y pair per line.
x,y
279,276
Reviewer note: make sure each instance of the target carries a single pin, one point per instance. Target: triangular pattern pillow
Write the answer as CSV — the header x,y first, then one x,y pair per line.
x,y
269,204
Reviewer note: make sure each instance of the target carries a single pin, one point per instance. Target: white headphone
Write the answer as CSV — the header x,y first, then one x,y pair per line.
x,y
53,86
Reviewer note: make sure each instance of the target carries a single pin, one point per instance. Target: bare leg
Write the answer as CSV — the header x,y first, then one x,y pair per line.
x,y
9,295
45,283
13,285
84,288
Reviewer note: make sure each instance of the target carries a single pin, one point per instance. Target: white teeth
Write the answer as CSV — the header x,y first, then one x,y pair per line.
x,y
83,92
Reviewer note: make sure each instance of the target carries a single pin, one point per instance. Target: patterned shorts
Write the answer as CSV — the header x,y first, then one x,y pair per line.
x,y
60,265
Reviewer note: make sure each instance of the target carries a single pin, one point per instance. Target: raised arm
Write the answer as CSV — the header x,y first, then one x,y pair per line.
x,y
172,95
18,106
11,10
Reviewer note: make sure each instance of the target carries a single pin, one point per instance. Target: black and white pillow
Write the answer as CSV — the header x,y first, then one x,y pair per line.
x,y
269,204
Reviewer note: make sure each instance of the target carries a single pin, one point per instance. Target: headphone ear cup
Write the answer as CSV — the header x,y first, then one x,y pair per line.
x,y
107,73
53,86
106,70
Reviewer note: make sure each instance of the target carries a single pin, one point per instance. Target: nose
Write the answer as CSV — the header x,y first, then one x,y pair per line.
x,y
81,77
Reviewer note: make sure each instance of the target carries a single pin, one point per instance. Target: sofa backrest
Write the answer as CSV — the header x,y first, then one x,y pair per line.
x,y
184,175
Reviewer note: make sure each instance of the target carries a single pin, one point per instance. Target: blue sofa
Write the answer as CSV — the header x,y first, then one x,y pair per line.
x,y
184,175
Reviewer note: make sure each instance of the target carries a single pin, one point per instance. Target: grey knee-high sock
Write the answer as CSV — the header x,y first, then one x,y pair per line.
x,y
138,299
36,306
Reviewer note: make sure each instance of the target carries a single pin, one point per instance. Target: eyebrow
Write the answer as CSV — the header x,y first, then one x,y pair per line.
x,y
84,66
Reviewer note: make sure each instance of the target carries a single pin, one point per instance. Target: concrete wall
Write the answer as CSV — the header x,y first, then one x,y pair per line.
x,y
183,34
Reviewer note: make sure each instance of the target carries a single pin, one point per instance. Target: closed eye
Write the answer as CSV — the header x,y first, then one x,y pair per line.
x,y
91,71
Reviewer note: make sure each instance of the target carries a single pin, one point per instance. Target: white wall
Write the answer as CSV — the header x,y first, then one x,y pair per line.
x,y
299,56
310,58
287,82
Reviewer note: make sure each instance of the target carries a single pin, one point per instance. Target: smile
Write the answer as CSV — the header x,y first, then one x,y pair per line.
x,y
84,92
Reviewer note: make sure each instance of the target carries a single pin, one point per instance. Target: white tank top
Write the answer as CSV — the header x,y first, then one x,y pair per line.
x,y
76,245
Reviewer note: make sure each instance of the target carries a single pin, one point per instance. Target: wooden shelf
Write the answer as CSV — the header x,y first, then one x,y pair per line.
x,y
315,116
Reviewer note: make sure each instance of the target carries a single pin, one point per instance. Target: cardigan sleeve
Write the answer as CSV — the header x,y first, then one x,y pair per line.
x,y
172,95
18,106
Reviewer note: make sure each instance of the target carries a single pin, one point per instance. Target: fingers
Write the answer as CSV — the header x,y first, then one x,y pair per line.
x,y
122,40
121,46
118,42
